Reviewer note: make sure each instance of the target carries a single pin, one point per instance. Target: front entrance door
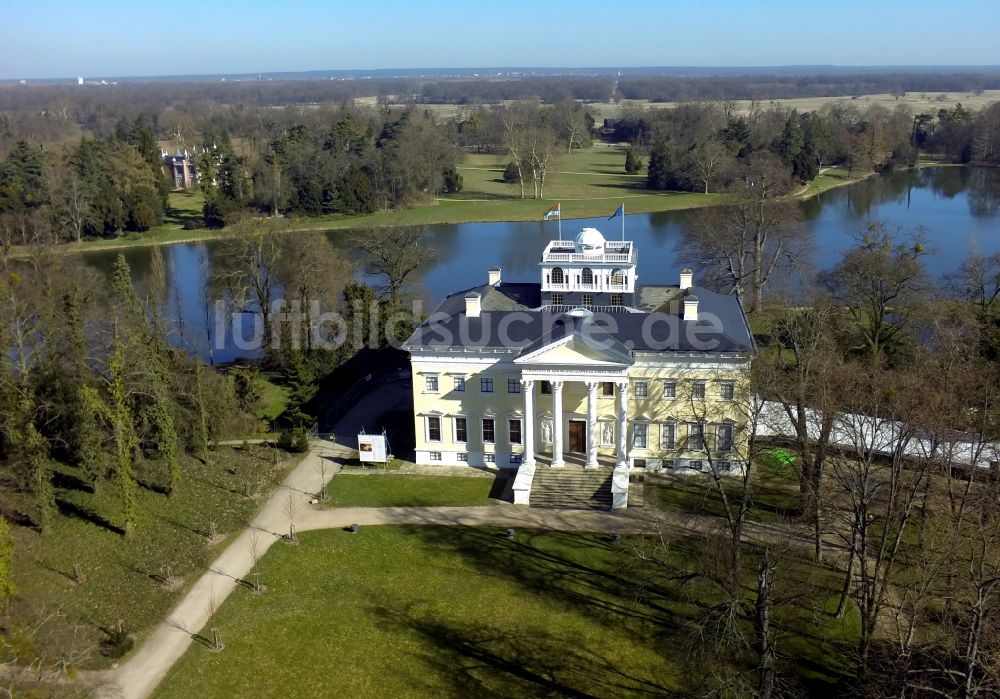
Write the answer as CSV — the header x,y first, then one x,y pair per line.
x,y
577,436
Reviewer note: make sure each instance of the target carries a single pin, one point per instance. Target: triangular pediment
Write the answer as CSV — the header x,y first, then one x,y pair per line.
x,y
578,351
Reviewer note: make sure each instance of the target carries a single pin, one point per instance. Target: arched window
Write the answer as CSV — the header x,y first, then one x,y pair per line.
x,y
557,276
588,275
617,277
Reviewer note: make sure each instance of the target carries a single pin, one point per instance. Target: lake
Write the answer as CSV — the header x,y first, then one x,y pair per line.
x,y
956,207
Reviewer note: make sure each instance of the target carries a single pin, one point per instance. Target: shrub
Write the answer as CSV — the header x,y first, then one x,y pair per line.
x,y
510,174
295,439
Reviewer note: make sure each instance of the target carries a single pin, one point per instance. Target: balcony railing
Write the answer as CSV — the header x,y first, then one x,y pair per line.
x,y
569,286
613,252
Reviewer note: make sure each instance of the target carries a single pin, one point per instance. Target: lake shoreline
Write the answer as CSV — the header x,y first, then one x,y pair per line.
x,y
179,236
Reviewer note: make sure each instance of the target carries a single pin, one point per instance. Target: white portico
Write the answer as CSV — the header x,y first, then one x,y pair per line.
x,y
583,366
576,359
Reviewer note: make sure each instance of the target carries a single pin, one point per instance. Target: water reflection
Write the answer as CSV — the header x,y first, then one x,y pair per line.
x,y
955,205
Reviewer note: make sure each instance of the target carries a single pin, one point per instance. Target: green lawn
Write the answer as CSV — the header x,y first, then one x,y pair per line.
x,y
124,577
402,490
831,178
454,611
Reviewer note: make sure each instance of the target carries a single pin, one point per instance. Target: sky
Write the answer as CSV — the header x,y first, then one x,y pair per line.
x,y
98,38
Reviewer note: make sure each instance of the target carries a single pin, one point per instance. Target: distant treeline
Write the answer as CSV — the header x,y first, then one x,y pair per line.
x,y
770,87
89,99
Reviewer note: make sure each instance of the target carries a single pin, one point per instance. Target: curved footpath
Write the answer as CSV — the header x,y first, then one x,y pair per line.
x,y
138,676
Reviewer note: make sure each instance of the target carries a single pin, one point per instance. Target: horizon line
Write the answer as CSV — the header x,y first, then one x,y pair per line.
x,y
508,71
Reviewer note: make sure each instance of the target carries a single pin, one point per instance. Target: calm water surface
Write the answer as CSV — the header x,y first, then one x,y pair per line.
x,y
957,208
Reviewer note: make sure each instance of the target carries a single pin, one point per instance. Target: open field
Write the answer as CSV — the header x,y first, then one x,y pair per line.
x,y
398,611
917,101
90,578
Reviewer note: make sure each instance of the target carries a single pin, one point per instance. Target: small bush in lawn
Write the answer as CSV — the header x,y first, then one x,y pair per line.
x,y
118,643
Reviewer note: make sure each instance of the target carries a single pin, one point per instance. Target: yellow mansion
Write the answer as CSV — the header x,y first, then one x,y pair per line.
x,y
586,367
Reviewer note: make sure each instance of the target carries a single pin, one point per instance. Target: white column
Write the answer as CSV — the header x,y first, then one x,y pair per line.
x,y
591,424
528,429
557,424
622,460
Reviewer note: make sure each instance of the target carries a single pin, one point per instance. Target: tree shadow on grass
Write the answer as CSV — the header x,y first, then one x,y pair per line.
x,y
67,481
638,185
600,577
71,509
604,592
484,661
215,484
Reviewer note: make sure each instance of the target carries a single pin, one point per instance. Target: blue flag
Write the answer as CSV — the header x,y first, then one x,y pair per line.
x,y
620,211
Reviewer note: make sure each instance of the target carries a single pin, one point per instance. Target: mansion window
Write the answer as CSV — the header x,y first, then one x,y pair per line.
x,y
616,299
724,437
587,299
515,458
557,299
696,464
435,456
486,385
668,435
587,276
617,277
489,458
641,389
514,431
513,385
640,435
489,430
724,466
546,388
433,429
608,388
461,429
459,384
696,436
462,456
669,388
431,384
698,390
557,276
726,390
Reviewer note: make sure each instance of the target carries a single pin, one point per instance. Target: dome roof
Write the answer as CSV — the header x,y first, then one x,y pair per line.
x,y
590,240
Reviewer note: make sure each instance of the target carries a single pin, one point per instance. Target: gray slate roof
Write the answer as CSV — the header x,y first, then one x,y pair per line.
x,y
509,320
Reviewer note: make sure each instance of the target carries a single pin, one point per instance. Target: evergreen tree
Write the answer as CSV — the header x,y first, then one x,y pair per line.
x,y
659,175
22,179
633,161
791,140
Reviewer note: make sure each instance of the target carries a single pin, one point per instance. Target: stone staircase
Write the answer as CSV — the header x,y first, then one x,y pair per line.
x,y
574,487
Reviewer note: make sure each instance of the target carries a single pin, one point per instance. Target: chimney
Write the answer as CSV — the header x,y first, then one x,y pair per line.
x,y
691,307
473,305
686,277
494,276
